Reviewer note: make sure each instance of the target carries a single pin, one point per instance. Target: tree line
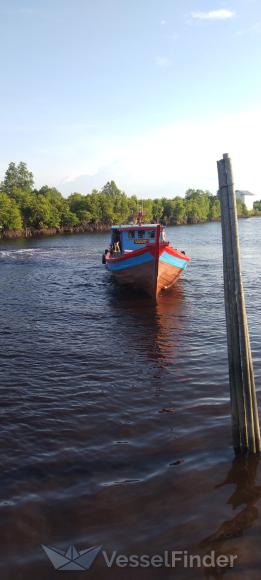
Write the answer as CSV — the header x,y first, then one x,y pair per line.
x,y
23,206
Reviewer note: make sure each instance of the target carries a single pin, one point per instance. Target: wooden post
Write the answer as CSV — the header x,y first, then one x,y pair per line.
x,y
157,251
245,419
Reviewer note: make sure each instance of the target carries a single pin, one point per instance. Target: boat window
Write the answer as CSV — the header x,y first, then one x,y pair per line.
x,y
152,234
141,234
131,235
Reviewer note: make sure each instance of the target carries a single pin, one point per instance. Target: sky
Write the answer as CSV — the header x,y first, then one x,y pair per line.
x,y
149,93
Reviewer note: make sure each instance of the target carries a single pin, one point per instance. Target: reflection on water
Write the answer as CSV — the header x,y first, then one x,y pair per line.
x,y
243,475
156,327
115,415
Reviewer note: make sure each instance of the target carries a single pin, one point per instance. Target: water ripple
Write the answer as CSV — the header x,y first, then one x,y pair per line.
x,y
90,449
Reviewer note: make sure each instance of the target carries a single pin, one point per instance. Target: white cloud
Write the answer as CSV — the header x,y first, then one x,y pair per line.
x,y
170,159
162,61
221,14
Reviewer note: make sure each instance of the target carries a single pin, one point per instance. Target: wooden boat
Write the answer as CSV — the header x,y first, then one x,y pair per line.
x,y
140,257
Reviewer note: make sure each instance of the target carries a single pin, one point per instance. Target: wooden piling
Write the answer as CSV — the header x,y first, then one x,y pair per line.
x,y
245,419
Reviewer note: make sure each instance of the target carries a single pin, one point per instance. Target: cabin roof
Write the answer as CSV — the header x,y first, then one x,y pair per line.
x,y
135,226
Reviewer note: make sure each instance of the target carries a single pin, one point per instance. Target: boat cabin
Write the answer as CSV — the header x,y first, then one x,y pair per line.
x,y
127,238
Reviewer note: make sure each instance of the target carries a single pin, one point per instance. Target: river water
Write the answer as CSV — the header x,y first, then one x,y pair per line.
x,y
115,418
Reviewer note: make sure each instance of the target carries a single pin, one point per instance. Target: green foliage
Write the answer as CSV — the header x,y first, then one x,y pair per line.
x,y
241,209
61,214
178,210
175,211
23,206
10,217
147,209
117,201
157,209
214,208
257,208
40,213
197,205
17,177
85,207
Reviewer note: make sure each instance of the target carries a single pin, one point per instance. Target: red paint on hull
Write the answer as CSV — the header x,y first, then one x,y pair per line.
x,y
151,277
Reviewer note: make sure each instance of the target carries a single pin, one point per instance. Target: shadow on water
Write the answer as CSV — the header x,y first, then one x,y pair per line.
x,y
246,493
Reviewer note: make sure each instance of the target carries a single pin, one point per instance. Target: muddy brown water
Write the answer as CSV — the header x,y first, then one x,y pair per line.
x,y
115,417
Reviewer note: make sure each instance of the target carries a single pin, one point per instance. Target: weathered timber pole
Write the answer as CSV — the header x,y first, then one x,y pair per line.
x,y
244,410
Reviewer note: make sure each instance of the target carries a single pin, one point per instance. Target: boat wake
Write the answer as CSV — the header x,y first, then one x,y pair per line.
x,y
19,253
44,253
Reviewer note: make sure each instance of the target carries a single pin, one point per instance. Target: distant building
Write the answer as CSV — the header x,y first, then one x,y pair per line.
x,y
246,197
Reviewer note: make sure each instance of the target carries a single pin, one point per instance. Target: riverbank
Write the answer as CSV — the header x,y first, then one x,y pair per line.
x,y
26,233
37,233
